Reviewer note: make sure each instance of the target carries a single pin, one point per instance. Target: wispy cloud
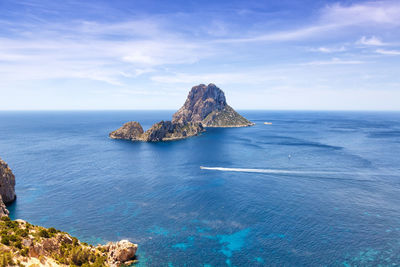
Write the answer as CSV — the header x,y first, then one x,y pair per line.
x,y
388,52
328,50
108,52
333,19
374,41
333,61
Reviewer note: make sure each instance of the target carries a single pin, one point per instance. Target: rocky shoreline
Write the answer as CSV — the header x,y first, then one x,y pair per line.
x,y
205,107
24,244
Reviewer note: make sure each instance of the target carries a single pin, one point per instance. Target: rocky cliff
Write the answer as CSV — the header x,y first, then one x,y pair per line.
x,y
23,244
7,183
206,104
31,245
3,208
161,131
7,187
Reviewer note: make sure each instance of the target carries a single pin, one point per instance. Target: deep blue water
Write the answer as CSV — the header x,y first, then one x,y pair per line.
x,y
335,201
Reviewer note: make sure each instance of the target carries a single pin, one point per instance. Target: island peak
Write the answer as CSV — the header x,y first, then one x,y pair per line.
x,y
205,106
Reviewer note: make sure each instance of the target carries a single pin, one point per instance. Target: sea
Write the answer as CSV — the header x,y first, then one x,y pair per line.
x,y
314,188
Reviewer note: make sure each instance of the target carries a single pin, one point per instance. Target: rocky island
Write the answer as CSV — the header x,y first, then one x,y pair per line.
x,y
24,244
204,107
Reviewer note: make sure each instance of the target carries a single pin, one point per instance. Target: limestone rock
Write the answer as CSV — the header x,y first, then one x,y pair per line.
x,y
207,105
7,183
167,131
3,209
131,131
121,252
226,117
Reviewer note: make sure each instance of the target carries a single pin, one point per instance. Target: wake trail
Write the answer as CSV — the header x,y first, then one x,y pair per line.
x,y
277,171
273,171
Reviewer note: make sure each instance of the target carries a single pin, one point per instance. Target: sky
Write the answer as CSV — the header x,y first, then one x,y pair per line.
x,y
145,54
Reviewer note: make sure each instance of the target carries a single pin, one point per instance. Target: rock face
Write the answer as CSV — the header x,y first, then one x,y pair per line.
x,y
121,252
7,187
161,131
38,246
168,131
131,131
3,208
7,183
207,105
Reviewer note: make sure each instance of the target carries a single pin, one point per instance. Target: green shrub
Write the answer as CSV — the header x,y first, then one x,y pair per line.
x,y
18,244
44,233
5,240
52,230
5,219
24,252
6,259
74,241
12,238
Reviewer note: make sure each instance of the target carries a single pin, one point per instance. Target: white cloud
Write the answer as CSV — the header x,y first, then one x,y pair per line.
x,y
245,77
334,61
388,52
88,51
323,49
367,13
374,41
334,19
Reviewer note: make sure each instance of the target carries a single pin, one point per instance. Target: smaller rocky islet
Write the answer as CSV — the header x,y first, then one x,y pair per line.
x,y
204,107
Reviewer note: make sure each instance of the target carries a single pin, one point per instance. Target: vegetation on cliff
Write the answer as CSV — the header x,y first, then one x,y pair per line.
x,y
21,242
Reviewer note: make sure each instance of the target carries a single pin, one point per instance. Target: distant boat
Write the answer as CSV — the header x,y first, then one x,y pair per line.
x,y
268,123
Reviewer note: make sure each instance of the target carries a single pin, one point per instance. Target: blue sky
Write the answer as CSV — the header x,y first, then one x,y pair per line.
x,y
290,54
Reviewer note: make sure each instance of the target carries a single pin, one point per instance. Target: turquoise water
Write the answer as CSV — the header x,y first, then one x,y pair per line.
x,y
335,201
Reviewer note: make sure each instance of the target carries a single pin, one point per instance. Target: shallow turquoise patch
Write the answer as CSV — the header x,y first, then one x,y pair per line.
x,y
233,242
259,260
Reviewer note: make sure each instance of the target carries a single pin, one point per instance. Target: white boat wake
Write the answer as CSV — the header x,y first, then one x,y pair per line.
x,y
273,171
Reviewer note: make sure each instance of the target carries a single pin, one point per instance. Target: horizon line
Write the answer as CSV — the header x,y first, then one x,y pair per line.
x,y
322,110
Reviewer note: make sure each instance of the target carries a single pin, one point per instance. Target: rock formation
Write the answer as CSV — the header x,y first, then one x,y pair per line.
x,y
205,106
31,244
7,183
7,187
131,131
161,131
121,252
3,208
168,131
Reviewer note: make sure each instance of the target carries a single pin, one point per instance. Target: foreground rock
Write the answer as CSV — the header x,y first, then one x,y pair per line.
x,y
122,252
24,244
27,244
3,209
207,105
